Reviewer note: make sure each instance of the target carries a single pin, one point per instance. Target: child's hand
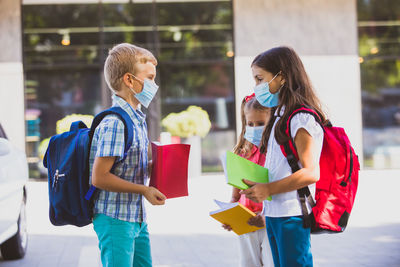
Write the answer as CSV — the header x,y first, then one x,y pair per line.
x,y
257,192
258,221
227,227
154,196
235,195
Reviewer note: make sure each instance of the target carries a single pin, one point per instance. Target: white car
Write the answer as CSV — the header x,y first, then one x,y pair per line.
x,y
13,179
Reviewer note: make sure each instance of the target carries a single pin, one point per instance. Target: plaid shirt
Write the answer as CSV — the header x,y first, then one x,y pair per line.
x,y
108,141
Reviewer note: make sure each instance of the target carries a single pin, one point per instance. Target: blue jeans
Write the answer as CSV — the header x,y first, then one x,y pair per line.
x,y
121,243
290,242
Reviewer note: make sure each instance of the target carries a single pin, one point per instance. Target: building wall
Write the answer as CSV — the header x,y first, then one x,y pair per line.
x,y
11,73
323,33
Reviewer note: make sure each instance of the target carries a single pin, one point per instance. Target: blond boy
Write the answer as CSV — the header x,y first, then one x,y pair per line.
x,y
119,215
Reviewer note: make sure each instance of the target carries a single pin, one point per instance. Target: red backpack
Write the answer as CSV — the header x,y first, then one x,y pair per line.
x,y
337,185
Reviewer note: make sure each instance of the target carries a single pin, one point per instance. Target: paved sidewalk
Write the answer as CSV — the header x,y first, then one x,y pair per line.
x,y
182,233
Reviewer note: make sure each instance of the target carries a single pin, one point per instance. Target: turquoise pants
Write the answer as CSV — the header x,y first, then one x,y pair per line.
x,y
290,242
121,243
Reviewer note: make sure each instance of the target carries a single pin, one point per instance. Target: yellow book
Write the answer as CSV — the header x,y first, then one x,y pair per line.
x,y
236,215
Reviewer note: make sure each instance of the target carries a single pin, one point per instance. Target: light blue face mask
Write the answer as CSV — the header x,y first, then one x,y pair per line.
x,y
147,94
254,134
264,96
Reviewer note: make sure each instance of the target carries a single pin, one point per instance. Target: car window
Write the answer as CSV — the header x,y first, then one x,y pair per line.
x,y
2,133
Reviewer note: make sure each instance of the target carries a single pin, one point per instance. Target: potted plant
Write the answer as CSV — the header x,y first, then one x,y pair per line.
x,y
191,124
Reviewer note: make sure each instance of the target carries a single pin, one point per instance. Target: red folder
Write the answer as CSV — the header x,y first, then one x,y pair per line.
x,y
170,169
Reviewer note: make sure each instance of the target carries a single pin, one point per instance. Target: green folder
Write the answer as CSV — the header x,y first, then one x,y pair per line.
x,y
238,168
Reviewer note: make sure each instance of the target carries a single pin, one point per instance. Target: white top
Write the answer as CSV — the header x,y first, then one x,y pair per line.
x,y
288,204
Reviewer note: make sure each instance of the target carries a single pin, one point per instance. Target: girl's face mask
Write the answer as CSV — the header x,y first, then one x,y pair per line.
x,y
264,96
254,134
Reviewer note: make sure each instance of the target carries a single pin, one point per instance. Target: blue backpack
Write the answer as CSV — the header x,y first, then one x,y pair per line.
x,y
67,161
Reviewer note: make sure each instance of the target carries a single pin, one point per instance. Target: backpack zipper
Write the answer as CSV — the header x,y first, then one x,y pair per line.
x,y
351,164
56,174
344,183
55,179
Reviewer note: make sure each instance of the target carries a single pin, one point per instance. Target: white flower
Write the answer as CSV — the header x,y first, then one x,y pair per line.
x,y
192,121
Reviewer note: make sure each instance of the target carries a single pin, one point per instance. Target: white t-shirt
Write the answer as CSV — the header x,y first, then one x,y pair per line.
x,y
288,204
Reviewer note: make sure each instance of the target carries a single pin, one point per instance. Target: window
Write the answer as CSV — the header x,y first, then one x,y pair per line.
x,y
65,47
379,49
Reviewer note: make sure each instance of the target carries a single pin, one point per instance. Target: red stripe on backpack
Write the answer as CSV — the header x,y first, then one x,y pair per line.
x,y
337,185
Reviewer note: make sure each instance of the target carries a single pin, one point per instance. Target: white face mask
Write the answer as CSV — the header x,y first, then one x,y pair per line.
x,y
254,134
264,96
147,94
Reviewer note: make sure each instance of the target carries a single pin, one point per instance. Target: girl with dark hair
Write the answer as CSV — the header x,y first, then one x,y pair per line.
x,y
282,84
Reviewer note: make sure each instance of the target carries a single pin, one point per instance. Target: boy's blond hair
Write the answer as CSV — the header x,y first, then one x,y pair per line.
x,y
121,59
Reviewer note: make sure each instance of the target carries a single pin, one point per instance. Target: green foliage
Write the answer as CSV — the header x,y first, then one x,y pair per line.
x,y
378,9
379,44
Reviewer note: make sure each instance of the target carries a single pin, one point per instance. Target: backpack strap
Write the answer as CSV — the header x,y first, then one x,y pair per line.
x,y
301,109
126,119
304,192
128,132
289,151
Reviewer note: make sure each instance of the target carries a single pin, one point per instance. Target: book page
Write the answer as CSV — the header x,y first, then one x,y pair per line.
x,y
223,206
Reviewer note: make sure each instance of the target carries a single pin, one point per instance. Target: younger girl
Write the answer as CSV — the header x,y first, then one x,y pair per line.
x,y
281,82
254,247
